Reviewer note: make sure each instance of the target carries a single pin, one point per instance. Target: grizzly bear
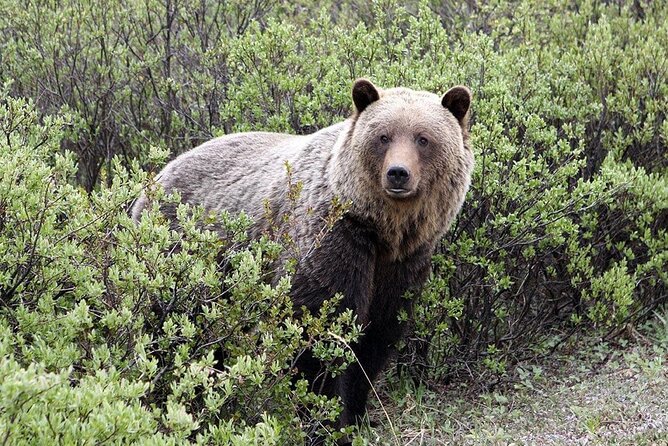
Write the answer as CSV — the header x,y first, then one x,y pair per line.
x,y
402,163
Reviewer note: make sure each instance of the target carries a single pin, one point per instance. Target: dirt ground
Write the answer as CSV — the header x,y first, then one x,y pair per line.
x,y
602,394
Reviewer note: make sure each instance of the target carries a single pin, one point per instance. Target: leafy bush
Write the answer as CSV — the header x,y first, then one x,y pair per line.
x,y
564,228
566,222
110,329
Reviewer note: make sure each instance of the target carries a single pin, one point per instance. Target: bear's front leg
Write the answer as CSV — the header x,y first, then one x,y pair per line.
x,y
392,281
344,263
372,352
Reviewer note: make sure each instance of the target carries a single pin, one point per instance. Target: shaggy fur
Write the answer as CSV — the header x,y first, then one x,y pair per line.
x,y
382,246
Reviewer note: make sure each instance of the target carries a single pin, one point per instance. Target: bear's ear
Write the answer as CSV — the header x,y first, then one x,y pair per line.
x,y
364,93
457,100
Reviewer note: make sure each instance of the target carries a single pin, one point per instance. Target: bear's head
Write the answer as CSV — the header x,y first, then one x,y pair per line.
x,y
406,160
409,139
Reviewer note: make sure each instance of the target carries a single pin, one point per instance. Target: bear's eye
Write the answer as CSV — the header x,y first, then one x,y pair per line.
x,y
422,141
384,139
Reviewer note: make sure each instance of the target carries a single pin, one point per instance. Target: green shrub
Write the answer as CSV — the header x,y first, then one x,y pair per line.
x,y
110,329
566,221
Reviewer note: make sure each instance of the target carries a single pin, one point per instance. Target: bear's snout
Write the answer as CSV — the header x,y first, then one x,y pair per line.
x,y
401,170
399,182
398,176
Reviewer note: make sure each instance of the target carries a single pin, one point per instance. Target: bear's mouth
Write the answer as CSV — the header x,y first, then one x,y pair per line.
x,y
399,192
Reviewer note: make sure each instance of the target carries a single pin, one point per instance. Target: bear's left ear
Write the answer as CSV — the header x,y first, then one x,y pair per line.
x,y
364,93
457,100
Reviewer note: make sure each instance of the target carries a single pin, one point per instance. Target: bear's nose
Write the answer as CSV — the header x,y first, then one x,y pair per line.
x,y
398,176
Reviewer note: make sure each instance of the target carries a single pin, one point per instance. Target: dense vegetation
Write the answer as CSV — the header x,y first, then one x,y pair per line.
x,y
108,332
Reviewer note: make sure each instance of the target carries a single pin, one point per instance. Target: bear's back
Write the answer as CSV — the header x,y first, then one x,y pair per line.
x,y
245,171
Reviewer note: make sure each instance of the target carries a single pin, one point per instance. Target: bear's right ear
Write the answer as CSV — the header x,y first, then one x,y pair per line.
x,y
364,93
457,100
